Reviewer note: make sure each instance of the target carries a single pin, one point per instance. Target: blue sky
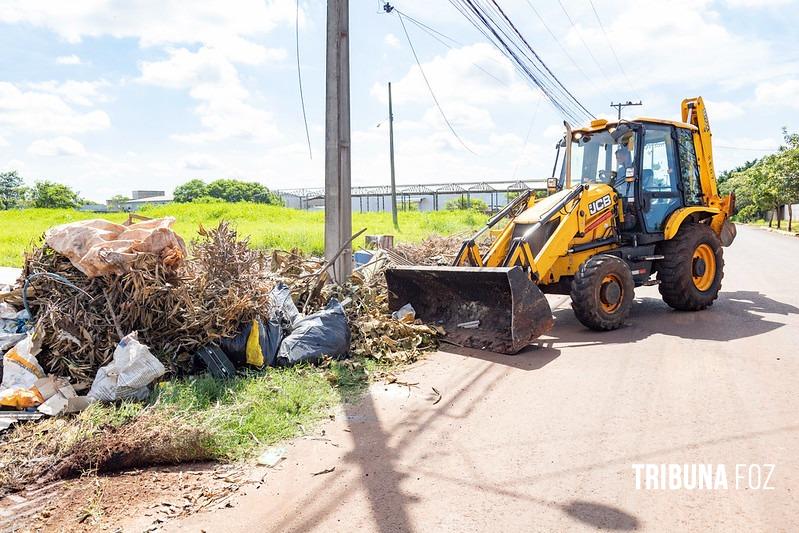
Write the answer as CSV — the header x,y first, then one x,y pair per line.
x,y
109,96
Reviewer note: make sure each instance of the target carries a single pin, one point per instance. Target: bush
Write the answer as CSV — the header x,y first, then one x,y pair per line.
x,y
226,190
53,195
466,203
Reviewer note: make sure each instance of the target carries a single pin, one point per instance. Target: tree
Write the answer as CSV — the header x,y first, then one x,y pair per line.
x,y
116,201
190,191
50,194
466,203
12,191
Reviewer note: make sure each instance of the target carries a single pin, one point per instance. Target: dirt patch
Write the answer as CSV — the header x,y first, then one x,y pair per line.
x,y
142,500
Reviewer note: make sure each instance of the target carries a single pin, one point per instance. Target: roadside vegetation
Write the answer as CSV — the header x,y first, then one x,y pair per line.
x,y
268,226
763,186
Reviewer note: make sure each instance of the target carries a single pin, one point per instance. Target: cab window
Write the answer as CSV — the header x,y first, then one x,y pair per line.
x,y
689,169
660,193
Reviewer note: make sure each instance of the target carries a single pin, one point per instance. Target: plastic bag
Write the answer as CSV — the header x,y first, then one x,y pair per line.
x,y
127,376
20,366
324,333
257,343
20,372
248,346
98,247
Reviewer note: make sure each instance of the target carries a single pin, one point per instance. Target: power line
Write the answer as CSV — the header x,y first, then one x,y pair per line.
x,y
429,87
748,148
299,75
497,27
610,44
563,49
527,137
585,44
435,35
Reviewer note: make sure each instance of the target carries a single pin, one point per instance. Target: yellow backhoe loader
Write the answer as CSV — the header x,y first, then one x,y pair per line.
x,y
631,200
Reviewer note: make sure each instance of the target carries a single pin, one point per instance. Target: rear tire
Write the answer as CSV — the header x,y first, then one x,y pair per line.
x,y
602,292
691,271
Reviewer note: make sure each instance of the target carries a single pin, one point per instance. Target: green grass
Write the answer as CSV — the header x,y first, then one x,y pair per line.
x,y
267,226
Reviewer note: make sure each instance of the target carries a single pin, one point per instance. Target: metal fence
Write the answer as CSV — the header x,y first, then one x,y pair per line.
x,y
421,196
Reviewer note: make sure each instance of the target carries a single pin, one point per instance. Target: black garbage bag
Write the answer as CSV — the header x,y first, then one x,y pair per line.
x,y
324,333
257,343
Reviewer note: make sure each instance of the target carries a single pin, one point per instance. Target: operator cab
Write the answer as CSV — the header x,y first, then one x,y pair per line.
x,y
652,166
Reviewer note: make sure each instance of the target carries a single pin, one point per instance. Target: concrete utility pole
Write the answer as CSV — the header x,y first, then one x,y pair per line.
x,y
620,105
391,154
338,203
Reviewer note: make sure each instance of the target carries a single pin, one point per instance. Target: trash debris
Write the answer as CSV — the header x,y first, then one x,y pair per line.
x,y
132,369
176,311
324,333
325,471
472,324
271,457
406,314
98,247
20,366
216,361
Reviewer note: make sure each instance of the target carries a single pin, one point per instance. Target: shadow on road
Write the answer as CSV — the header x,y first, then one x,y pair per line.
x,y
531,359
600,516
735,315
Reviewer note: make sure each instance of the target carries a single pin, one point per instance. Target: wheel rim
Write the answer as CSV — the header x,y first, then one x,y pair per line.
x,y
703,267
611,293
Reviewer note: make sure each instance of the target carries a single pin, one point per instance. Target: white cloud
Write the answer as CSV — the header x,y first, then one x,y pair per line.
x,y
391,40
718,110
754,4
778,94
477,74
224,109
85,93
3,141
197,161
58,146
40,111
68,60
153,22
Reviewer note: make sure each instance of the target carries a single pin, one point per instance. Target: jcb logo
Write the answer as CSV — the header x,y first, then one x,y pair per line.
x,y
598,205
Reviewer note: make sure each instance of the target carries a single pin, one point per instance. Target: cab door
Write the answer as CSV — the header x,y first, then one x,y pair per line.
x,y
660,193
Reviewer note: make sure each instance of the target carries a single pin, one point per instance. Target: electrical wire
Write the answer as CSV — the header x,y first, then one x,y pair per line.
x,y
526,137
610,44
580,35
563,48
438,36
429,87
299,76
497,27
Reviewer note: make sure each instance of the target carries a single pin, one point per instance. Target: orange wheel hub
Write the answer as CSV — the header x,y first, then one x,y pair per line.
x,y
611,293
703,267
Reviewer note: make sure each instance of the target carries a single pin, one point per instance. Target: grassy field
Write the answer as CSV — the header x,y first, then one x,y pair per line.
x,y
268,226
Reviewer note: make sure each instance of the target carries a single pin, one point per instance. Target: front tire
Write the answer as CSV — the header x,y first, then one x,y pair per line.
x,y
691,271
602,292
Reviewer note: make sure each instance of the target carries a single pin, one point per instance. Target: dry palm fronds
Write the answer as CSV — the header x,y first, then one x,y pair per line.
x,y
434,250
174,311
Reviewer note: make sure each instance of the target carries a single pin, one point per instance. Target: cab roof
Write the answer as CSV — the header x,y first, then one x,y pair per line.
x,y
601,124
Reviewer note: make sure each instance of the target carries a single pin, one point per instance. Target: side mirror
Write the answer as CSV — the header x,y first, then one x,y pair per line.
x,y
552,185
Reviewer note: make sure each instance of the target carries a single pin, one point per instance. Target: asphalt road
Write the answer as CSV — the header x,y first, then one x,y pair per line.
x,y
546,440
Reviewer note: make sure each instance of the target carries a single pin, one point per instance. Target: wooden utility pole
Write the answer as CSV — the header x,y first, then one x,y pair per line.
x,y
338,203
391,155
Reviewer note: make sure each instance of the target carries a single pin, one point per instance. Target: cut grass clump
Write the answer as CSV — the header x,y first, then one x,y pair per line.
x,y
185,420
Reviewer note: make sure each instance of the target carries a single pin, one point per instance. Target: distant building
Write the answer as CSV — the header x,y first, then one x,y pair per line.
x,y
140,195
137,203
94,208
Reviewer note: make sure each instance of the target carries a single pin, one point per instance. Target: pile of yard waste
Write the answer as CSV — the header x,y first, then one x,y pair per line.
x,y
102,311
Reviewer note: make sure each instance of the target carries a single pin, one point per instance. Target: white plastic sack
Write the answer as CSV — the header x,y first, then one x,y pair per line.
x,y
20,366
127,376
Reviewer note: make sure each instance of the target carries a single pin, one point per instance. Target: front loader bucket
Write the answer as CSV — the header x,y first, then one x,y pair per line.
x,y
508,309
